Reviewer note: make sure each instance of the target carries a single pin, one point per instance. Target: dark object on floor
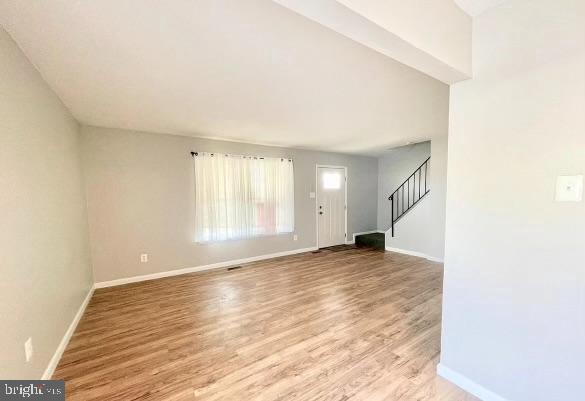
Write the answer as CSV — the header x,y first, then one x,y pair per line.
x,y
374,240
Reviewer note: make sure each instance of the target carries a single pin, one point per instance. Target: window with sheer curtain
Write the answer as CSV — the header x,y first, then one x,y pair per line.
x,y
242,196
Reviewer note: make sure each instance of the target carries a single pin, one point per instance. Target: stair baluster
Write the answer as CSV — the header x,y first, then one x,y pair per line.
x,y
397,197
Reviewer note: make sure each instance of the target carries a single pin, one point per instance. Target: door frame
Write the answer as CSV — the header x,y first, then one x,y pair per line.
x,y
317,166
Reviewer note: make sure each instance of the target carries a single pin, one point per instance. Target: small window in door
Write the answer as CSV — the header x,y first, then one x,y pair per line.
x,y
331,181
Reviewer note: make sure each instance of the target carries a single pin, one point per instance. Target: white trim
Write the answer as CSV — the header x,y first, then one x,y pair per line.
x,y
467,384
317,166
218,265
407,252
65,340
363,233
414,253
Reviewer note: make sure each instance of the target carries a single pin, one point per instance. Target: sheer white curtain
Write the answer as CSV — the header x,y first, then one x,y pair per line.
x,y
242,197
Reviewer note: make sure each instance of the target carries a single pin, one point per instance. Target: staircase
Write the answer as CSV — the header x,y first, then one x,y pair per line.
x,y
409,193
406,196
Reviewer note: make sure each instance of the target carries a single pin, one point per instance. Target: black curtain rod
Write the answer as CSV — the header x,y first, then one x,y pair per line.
x,y
255,157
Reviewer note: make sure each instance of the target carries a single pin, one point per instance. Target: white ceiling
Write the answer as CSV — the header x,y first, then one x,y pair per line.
x,y
476,7
250,71
405,31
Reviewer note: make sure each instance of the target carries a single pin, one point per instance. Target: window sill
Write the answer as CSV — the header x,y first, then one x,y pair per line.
x,y
222,241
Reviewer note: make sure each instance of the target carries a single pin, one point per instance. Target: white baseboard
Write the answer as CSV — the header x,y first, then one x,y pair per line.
x,y
433,259
414,253
362,233
65,340
219,265
467,384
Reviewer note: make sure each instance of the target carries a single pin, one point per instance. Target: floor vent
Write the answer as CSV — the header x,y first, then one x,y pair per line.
x,y
234,268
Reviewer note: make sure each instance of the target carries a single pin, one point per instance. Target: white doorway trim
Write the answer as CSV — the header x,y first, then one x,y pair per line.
x,y
317,198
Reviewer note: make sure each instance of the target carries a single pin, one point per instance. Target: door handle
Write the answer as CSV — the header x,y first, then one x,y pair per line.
x,y
320,212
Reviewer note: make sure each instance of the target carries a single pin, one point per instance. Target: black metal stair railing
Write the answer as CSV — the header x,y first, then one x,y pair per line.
x,y
409,193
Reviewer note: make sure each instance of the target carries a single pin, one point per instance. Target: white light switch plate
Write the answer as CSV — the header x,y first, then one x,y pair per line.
x,y
144,257
569,188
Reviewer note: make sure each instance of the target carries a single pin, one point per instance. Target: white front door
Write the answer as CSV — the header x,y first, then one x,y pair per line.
x,y
331,184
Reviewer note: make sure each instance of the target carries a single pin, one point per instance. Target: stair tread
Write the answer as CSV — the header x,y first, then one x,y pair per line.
x,y
372,235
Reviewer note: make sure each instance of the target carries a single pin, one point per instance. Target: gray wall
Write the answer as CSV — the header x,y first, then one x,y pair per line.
x,y
438,198
44,255
140,200
514,289
422,229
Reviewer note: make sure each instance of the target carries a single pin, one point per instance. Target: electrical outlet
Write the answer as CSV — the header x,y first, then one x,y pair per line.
x,y
144,257
28,349
295,237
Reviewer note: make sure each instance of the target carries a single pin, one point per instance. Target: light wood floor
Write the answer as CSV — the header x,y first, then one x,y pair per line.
x,y
339,325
